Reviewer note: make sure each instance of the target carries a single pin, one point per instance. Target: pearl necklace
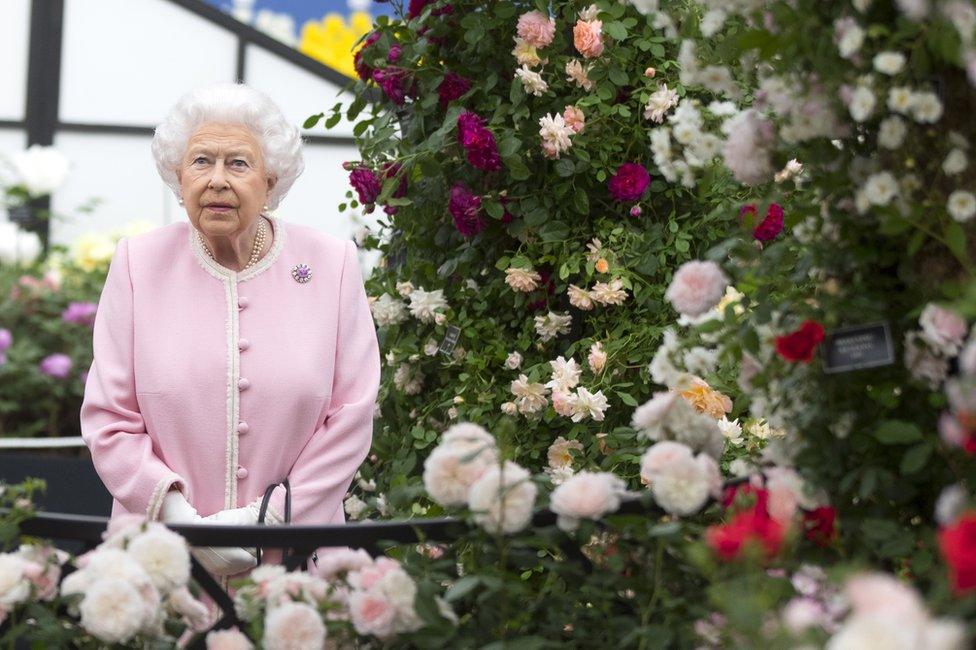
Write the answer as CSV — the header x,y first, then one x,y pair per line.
x,y
255,251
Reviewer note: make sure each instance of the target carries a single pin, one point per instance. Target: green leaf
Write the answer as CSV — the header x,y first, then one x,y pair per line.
x,y
516,168
494,209
312,120
626,398
509,146
356,108
615,30
554,231
956,239
461,588
915,458
581,201
564,167
619,76
897,432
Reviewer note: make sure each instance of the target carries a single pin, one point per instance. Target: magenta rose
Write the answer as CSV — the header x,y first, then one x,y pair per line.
x,y
366,184
80,313
478,142
465,207
629,182
391,81
452,87
363,70
56,365
390,169
416,7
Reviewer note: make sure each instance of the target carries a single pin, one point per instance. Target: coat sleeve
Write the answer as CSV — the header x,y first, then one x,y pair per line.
x,y
326,465
111,424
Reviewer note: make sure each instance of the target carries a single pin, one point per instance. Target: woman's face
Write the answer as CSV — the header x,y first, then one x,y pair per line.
x,y
223,179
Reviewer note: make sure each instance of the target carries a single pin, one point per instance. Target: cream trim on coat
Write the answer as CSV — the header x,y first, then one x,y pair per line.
x,y
231,279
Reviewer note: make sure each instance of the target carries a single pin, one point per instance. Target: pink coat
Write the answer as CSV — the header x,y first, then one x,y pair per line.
x,y
223,382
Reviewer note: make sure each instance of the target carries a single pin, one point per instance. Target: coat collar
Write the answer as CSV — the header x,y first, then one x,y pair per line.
x,y
222,272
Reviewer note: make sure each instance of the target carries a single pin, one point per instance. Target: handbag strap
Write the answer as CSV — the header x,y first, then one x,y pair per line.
x,y
263,511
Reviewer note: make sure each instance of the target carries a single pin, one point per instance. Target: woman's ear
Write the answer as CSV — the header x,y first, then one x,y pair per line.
x,y
272,181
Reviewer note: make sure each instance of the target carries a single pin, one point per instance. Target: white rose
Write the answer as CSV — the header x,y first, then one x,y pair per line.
x,y
961,205
18,246
880,188
42,170
14,586
891,132
862,103
113,610
955,163
164,556
889,63
503,498
926,107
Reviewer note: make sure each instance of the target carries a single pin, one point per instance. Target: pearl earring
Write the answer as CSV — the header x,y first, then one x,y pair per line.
x,y
180,199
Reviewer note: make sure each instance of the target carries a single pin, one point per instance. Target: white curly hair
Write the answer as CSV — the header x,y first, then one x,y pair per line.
x,y
230,103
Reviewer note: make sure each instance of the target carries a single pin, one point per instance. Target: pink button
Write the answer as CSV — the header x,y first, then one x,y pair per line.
x,y
243,344
242,302
242,427
241,473
243,383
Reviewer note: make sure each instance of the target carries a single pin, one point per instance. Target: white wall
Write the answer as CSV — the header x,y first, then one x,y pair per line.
x,y
127,61
297,91
14,38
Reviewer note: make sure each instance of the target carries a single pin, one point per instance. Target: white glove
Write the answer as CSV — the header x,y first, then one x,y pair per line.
x,y
243,516
221,560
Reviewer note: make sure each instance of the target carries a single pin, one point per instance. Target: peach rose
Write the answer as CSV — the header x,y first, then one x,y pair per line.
x,y
574,118
588,38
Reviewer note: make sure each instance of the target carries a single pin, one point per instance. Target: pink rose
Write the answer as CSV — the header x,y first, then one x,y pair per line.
x,y
334,561
588,38
293,625
368,576
942,328
372,614
231,639
574,118
586,495
696,287
562,403
660,456
879,593
536,29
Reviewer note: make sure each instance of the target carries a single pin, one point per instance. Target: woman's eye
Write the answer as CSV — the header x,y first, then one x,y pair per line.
x,y
239,162
199,159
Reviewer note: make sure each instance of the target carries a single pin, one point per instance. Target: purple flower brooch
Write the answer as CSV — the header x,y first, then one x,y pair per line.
x,y
301,273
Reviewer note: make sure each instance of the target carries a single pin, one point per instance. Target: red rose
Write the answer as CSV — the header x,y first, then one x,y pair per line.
x,y
820,525
800,345
629,182
958,544
769,227
753,526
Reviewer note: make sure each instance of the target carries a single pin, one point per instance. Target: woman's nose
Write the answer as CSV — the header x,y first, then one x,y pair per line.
x,y
218,179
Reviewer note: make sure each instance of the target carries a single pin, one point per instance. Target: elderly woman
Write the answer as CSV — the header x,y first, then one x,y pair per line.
x,y
235,350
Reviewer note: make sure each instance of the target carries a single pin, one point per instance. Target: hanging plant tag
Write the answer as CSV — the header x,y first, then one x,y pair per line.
x,y
858,347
